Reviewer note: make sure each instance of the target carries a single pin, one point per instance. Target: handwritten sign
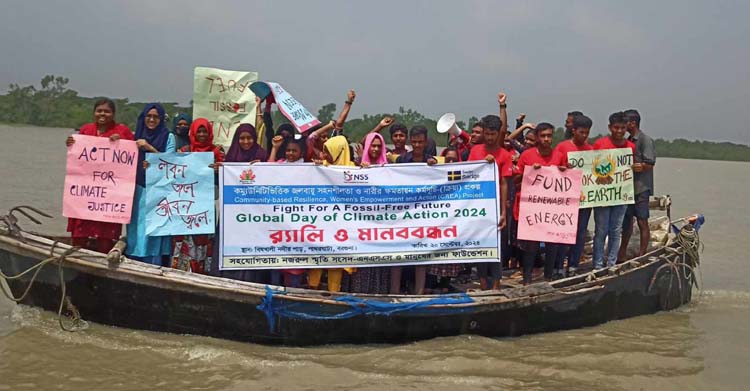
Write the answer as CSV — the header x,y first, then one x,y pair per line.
x,y
607,178
100,179
300,117
179,193
225,99
303,215
549,205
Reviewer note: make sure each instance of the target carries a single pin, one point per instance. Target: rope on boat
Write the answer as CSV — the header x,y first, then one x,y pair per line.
x,y
358,306
682,262
12,229
77,323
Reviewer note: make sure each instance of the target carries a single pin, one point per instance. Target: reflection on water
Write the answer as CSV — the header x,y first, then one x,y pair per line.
x,y
700,346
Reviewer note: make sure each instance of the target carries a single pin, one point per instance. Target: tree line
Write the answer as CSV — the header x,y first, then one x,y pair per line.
x,y
56,105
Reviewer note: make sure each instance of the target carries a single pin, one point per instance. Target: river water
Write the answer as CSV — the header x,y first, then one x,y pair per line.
x,y
698,347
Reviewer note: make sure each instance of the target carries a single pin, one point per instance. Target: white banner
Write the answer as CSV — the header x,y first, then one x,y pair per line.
x,y
299,116
303,215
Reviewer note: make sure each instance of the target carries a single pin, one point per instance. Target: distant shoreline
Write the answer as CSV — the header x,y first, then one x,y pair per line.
x,y
55,103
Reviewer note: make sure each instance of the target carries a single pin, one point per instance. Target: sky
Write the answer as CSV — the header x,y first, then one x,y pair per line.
x,y
682,64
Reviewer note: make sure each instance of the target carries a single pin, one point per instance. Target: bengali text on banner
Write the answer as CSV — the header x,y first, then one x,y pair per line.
x,y
180,193
301,216
225,99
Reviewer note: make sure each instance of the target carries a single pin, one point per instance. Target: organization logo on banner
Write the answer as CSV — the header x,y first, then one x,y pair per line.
x,y
462,175
350,177
603,169
247,176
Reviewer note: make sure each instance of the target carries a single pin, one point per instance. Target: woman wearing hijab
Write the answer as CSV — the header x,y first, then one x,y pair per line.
x,y
181,130
193,252
104,234
151,135
244,149
373,279
336,151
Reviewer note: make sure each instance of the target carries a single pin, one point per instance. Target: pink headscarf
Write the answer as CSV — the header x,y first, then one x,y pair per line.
x,y
366,151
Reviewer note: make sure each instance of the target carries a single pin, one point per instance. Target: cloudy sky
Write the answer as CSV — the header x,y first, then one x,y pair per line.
x,y
683,64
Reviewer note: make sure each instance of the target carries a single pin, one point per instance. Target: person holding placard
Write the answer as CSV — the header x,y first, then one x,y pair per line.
x,y
193,252
336,151
493,152
418,154
243,149
152,136
581,126
608,219
97,235
374,280
541,155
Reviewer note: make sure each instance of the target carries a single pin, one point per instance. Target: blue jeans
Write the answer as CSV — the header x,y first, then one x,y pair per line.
x,y
576,250
608,224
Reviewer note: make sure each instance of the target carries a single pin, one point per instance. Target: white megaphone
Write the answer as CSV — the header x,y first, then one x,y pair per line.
x,y
447,123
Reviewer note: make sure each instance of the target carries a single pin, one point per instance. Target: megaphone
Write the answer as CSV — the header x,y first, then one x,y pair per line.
x,y
447,123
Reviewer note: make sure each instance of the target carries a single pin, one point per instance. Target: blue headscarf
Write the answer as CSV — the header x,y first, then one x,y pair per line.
x,y
182,137
156,137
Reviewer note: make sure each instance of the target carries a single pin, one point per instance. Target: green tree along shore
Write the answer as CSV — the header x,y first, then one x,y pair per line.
x,y
56,105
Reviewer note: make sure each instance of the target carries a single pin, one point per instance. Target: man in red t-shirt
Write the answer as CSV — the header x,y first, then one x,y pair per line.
x,y
492,151
541,155
580,128
608,219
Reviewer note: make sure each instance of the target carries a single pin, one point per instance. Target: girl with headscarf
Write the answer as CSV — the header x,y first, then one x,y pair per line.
x,y
181,130
373,279
244,149
104,234
336,151
194,252
151,135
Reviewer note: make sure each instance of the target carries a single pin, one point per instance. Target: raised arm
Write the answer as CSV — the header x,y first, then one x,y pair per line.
x,y
275,145
350,96
323,130
520,130
384,123
501,99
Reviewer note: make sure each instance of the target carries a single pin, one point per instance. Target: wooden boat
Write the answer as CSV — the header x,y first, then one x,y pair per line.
x,y
140,296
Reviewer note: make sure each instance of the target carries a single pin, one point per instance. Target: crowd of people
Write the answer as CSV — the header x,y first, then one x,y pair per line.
x,y
488,140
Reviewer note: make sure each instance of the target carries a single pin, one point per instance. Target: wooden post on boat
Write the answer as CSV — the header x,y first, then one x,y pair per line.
x,y
115,254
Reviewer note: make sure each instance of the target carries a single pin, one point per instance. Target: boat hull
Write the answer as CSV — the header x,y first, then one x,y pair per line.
x,y
150,298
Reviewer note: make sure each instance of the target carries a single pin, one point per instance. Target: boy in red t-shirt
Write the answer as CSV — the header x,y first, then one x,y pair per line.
x,y
580,128
492,151
608,219
541,155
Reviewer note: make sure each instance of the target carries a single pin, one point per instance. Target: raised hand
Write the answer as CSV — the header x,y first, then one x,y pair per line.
x,y
501,98
386,122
